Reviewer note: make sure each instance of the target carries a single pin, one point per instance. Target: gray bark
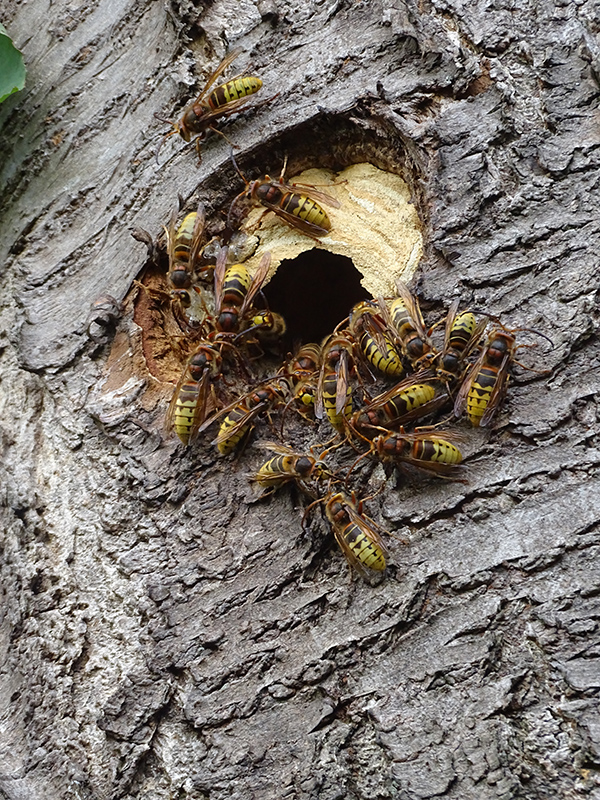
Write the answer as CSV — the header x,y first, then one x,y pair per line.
x,y
161,635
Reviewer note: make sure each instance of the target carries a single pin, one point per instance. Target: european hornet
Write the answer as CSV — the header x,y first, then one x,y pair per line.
x,y
184,246
209,106
243,411
406,321
269,327
303,371
306,362
190,303
357,534
287,466
369,329
411,399
426,450
192,395
334,393
265,329
429,451
297,204
235,291
462,335
485,385
305,395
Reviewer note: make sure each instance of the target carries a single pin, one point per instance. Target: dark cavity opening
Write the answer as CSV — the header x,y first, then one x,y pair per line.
x,y
314,292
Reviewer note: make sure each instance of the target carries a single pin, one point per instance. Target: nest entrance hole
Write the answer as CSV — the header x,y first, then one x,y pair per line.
x,y
314,292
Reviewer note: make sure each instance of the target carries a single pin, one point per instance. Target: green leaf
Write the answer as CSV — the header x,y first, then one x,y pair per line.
x,y
12,68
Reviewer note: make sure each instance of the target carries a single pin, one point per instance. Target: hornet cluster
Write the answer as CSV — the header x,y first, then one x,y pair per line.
x,y
382,386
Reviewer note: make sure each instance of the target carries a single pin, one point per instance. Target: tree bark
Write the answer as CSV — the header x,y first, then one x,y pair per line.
x,y
163,635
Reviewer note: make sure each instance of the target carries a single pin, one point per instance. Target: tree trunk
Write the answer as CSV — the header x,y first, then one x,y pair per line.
x,y
164,636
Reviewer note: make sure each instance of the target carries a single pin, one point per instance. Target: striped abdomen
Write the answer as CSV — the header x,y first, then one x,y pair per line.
x,y
409,399
389,363
184,413
413,344
235,419
237,423
359,542
236,283
304,208
480,393
418,449
401,317
183,238
396,407
233,90
279,469
330,387
462,330
366,551
294,204
437,451
232,420
305,393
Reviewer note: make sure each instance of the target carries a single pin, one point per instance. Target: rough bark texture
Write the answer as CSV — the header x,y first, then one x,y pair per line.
x,y
163,637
